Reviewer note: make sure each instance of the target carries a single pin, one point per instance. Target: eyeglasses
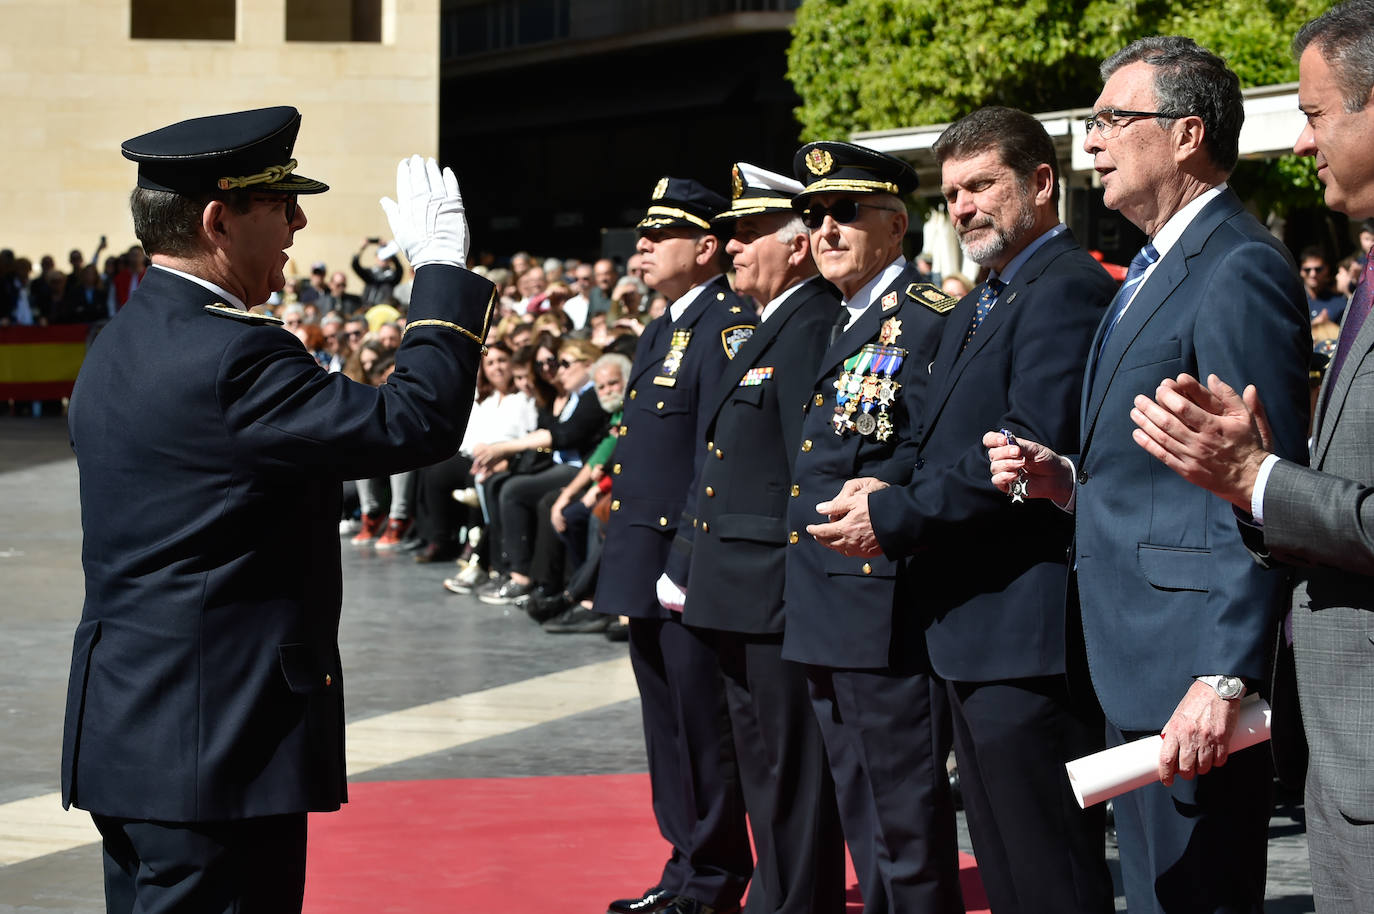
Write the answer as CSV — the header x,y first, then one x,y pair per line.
x,y
290,200
353,334
547,363
568,363
1312,269
1106,121
843,211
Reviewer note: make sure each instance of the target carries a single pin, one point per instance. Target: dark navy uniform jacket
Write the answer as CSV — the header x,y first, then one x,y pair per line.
x,y
986,575
205,681
658,450
841,610
736,545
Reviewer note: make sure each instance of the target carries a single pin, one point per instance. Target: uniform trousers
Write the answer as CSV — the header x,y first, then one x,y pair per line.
x,y
788,791
1200,846
887,735
692,770
244,866
1037,851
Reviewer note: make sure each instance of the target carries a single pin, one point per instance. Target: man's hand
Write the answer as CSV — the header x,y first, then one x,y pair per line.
x,y
1211,436
1047,474
556,512
850,531
1197,738
485,456
426,217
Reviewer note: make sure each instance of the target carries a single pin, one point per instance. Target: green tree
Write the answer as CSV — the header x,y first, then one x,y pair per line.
x,y
881,64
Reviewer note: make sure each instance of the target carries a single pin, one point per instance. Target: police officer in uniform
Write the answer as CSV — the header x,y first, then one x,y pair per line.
x,y
679,360
730,556
882,715
205,707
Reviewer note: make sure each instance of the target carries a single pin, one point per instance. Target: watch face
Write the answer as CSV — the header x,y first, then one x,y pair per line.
x,y
1229,687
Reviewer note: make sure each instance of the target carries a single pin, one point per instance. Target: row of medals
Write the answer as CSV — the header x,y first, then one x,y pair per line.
x,y
865,389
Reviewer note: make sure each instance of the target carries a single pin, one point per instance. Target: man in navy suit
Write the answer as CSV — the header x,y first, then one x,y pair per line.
x,y
1315,519
731,553
205,707
883,716
658,452
1177,620
1011,357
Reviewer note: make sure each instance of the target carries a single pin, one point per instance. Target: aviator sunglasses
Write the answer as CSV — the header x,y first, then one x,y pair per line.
x,y
843,211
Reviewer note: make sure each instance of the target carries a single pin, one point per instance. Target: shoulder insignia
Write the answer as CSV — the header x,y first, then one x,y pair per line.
x,y
219,309
933,297
889,301
733,337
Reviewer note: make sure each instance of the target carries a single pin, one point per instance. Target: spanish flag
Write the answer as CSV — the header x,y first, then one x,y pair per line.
x,y
40,363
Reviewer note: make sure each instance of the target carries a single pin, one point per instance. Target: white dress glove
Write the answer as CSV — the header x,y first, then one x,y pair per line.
x,y
428,221
670,596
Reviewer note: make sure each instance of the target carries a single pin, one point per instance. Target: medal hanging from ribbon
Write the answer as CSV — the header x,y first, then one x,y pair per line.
x,y
865,389
677,347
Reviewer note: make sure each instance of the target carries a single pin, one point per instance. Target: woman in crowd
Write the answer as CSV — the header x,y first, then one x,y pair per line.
x,y
543,461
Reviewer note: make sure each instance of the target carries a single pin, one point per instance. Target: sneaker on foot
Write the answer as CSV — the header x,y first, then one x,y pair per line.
x,y
397,534
349,526
505,594
369,529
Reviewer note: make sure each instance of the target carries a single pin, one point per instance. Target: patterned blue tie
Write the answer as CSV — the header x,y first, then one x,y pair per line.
x,y
986,299
1134,273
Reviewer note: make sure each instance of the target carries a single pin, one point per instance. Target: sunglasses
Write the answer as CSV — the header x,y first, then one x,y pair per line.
x,y
272,199
568,363
842,211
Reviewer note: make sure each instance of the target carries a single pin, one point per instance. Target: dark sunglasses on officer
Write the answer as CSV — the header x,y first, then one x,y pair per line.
x,y
844,211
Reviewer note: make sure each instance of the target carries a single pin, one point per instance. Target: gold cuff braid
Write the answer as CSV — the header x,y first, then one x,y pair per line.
x,y
479,340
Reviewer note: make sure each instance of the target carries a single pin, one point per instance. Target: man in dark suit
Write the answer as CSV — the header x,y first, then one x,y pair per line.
x,y
1177,619
730,554
658,452
882,715
1316,519
205,707
1011,357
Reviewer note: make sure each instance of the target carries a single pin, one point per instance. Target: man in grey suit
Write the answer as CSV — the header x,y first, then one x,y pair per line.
x,y
1176,618
1319,519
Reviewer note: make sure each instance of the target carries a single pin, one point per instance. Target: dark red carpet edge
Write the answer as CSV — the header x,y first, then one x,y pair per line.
x,y
497,846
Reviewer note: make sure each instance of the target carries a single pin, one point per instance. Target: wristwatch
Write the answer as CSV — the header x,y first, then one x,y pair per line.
x,y
1228,688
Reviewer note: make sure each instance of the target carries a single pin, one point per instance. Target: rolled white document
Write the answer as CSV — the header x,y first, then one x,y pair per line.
x,y
1121,769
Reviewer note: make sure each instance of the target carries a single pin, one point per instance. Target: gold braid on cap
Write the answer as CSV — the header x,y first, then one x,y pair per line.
x,y
271,175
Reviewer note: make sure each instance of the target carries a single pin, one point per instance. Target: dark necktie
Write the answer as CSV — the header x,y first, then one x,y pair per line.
x,y
1134,273
1355,316
986,299
841,319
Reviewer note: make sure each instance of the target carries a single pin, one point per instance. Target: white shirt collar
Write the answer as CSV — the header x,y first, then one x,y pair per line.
x,y
1178,223
776,303
226,295
677,308
869,293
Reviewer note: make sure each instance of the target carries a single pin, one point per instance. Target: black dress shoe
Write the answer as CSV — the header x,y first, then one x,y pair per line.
x,y
681,904
543,607
655,899
576,620
617,631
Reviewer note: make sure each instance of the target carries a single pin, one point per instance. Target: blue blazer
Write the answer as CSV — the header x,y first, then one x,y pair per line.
x,y
1167,588
205,681
842,611
731,555
987,576
659,448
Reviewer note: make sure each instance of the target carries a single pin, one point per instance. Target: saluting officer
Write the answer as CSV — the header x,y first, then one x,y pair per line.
x,y
679,360
730,557
882,714
205,708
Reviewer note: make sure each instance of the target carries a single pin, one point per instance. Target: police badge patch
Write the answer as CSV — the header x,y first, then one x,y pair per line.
x,y
733,337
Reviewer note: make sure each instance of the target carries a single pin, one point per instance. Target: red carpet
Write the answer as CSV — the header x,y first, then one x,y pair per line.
x,y
496,846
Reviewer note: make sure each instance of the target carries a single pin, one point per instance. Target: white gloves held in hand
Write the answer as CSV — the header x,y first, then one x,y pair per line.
x,y
670,596
426,217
